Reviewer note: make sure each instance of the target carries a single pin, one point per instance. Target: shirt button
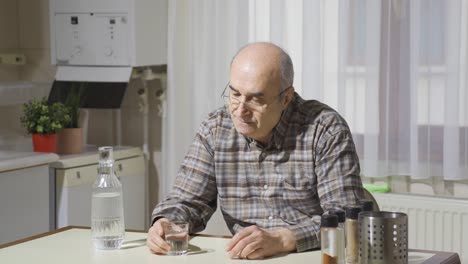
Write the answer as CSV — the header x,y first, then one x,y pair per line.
x,y
270,217
265,186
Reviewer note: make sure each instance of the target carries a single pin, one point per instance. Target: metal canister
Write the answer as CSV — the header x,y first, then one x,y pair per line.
x,y
383,237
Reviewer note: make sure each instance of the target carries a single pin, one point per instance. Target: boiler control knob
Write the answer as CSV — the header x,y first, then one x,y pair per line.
x,y
77,50
108,51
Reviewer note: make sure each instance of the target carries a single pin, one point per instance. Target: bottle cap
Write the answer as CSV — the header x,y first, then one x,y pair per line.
x,y
329,220
367,205
352,211
340,213
106,156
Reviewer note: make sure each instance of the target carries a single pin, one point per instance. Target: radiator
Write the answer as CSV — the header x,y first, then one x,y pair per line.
x,y
434,223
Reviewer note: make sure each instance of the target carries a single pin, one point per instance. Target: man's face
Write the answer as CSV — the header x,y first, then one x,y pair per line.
x,y
255,102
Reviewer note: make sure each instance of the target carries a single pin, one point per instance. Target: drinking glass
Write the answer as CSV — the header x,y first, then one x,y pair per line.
x,y
176,234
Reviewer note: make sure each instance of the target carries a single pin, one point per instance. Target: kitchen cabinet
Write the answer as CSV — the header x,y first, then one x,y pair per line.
x,y
75,174
25,194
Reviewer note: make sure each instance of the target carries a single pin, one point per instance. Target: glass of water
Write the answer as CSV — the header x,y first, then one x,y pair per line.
x,y
176,234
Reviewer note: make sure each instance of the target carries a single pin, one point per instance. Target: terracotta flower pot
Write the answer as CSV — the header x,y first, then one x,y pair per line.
x,y
70,141
44,142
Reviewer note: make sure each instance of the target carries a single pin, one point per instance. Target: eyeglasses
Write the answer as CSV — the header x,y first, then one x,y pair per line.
x,y
253,103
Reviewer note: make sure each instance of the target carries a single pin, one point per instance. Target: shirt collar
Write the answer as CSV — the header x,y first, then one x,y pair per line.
x,y
281,128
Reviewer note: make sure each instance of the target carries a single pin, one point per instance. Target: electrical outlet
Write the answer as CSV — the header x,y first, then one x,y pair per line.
x,y
12,59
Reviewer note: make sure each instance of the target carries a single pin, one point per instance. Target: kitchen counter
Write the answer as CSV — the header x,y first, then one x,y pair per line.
x,y
13,160
90,155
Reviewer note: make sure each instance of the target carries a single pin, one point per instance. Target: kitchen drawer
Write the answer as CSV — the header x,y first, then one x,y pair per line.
x,y
74,191
86,175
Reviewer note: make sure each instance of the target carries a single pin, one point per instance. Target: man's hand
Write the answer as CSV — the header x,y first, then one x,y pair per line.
x,y
155,241
256,243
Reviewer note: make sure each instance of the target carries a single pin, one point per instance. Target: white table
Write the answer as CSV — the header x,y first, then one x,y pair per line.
x,y
73,245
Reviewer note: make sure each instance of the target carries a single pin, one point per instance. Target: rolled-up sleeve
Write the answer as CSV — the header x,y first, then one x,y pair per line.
x,y
338,183
307,234
337,170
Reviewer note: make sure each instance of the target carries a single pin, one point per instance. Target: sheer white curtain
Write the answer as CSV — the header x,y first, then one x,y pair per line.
x,y
396,70
422,113
203,35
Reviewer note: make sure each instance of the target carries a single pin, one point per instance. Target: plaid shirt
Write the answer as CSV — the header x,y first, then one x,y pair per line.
x,y
309,166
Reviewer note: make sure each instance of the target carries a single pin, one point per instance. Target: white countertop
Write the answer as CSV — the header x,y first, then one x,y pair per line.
x,y
14,160
90,155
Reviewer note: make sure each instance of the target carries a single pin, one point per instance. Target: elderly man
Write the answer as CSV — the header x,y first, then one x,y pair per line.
x,y
275,161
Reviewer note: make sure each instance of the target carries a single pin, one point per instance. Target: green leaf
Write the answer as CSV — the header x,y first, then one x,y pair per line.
x,y
39,116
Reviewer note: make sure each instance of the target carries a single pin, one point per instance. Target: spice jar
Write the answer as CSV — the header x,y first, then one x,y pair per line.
x,y
332,241
341,223
352,233
366,205
341,216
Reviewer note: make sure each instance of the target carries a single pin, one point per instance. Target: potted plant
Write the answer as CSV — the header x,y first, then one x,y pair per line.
x,y
44,120
70,139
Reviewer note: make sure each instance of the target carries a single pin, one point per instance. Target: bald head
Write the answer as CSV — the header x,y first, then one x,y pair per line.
x,y
268,59
261,78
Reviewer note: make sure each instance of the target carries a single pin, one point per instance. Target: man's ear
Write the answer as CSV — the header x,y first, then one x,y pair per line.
x,y
288,96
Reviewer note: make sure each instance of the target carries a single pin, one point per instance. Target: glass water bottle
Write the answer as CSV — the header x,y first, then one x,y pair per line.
x,y
107,217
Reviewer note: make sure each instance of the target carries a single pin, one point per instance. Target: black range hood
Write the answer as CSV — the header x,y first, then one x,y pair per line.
x,y
99,86
101,95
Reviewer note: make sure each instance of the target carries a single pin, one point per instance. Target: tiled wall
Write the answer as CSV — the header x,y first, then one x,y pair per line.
x,y
34,40
9,38
24,29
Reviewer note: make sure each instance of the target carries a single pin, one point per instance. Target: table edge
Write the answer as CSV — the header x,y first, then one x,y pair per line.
x,y
26,239
440,257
